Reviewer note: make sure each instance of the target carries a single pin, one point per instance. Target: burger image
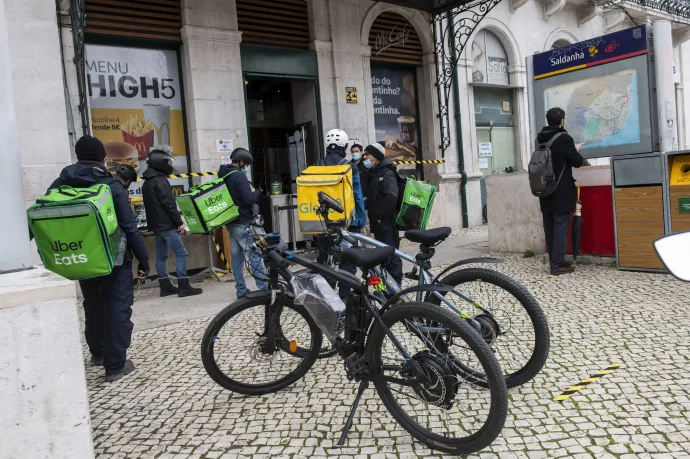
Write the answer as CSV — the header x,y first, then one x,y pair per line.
x,y
120,153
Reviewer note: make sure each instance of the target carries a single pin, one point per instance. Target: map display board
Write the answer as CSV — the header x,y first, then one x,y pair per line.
x,y
603,85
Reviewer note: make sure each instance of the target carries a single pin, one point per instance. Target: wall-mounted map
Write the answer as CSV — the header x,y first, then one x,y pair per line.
x,y
601,111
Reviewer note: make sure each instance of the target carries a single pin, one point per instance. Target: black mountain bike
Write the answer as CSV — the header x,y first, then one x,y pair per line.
x,y
502,311
436,376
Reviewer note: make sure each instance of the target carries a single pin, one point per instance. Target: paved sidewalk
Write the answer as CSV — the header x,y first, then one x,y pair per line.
x,y
170,408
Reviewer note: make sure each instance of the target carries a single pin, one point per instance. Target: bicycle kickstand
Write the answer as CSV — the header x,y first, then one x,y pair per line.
x,y
350,419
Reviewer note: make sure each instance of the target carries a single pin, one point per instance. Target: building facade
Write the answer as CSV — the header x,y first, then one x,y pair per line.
x,y
207,76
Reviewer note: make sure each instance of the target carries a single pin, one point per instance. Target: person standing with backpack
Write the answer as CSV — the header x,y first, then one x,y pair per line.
x,y
108,299
382,202
551,179
163,218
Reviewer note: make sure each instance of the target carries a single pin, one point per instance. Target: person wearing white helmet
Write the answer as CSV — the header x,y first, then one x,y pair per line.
x,y
336,148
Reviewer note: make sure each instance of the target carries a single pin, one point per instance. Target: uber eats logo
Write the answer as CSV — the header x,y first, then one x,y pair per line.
x,y
415,198
310,208
62,258
213,204
189,216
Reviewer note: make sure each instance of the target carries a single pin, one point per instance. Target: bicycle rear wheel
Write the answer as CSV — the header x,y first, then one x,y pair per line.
x,y
235,351
448,411
515,326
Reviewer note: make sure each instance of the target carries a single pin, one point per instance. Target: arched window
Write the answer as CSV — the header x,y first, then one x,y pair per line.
x,y
560,44
490,59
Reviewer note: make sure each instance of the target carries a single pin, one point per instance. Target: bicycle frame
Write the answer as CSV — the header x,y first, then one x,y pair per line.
x,y
425,275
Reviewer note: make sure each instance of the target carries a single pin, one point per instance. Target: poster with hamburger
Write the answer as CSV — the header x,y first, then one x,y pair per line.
x,y
135,100
395,112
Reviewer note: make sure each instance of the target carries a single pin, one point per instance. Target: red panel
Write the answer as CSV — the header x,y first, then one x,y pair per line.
x,y
598,236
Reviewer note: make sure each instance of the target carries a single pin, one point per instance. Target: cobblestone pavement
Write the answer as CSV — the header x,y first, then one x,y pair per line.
x,y
170,408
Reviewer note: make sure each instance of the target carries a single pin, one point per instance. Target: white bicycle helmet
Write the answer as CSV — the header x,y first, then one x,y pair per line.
x,y
337,137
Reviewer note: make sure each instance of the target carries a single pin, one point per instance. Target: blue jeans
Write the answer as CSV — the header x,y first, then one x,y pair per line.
x,y
240,241
170,239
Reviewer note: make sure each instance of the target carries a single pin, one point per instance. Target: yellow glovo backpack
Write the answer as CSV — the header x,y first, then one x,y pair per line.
x,y
335,181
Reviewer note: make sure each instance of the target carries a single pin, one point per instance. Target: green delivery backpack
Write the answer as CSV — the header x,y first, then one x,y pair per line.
x,y
417,202
76,231
208,206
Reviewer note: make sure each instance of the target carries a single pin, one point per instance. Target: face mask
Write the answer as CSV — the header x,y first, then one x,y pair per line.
x,y
356,156
368,164
245,170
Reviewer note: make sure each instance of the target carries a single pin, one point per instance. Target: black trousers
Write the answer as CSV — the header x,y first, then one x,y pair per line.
x,y
394,264
108,312
556,232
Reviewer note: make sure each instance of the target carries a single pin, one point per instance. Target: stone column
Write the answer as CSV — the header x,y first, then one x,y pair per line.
x,y
36,69
213,83
15,250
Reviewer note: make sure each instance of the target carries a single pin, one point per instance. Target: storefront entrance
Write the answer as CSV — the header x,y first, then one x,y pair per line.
x,y
282,118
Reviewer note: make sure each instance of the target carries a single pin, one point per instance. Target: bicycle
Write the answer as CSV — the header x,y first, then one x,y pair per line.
x,y
522,358
414,350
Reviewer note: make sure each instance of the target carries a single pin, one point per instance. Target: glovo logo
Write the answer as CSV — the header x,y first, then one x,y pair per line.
x,y
310,208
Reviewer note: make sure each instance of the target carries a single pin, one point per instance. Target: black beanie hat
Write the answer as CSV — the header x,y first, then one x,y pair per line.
x,y
90,149
376,150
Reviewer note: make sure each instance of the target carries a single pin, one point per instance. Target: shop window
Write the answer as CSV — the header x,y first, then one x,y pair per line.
x,y
490,64
393,39
493,112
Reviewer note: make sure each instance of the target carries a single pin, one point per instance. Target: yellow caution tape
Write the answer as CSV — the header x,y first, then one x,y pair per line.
x,y
220,253
422,161
585,382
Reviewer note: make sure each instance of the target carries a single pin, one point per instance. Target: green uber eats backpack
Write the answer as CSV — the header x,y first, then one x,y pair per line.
x,y
416,204
208,206
76,231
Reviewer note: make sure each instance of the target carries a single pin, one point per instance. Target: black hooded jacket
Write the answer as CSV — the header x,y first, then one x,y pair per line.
x,y
240,192
159,202
334,156
564,154
382,196
86,174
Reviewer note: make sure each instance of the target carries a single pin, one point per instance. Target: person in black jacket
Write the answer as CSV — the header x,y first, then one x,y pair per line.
x,y
557,207
245,197
163,218
108,299
382,200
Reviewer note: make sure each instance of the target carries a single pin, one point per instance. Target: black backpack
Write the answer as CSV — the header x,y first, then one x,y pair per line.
x,y
542,178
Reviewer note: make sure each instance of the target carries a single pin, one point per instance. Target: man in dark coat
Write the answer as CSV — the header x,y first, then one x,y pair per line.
x,y
557,207
382,200
163,218
108,299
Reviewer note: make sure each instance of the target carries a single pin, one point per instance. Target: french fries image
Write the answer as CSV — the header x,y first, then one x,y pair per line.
x,y
137,126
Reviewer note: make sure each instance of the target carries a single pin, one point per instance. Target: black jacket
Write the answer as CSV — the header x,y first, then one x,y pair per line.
x,y
363,176
240,192
84,175
382,196
564,154
159,202
334,157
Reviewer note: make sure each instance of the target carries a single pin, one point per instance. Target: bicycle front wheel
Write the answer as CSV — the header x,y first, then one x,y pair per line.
x,y
236,350
447,409
512,322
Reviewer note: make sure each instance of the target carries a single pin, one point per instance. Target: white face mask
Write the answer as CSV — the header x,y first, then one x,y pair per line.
x,y
368,163
356,156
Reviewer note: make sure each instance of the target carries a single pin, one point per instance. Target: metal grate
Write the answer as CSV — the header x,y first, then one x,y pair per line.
x,y
274,23
151,19
431,6
393,39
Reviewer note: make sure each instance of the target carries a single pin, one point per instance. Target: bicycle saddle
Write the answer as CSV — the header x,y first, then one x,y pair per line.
x,y
428,237
367,258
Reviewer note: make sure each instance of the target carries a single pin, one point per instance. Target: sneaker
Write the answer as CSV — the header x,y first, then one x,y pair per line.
x,y
239,297
559,271
126,369
167,287
97,361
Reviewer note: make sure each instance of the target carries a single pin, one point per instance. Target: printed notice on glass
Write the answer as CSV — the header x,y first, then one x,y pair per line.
x,y
485,150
